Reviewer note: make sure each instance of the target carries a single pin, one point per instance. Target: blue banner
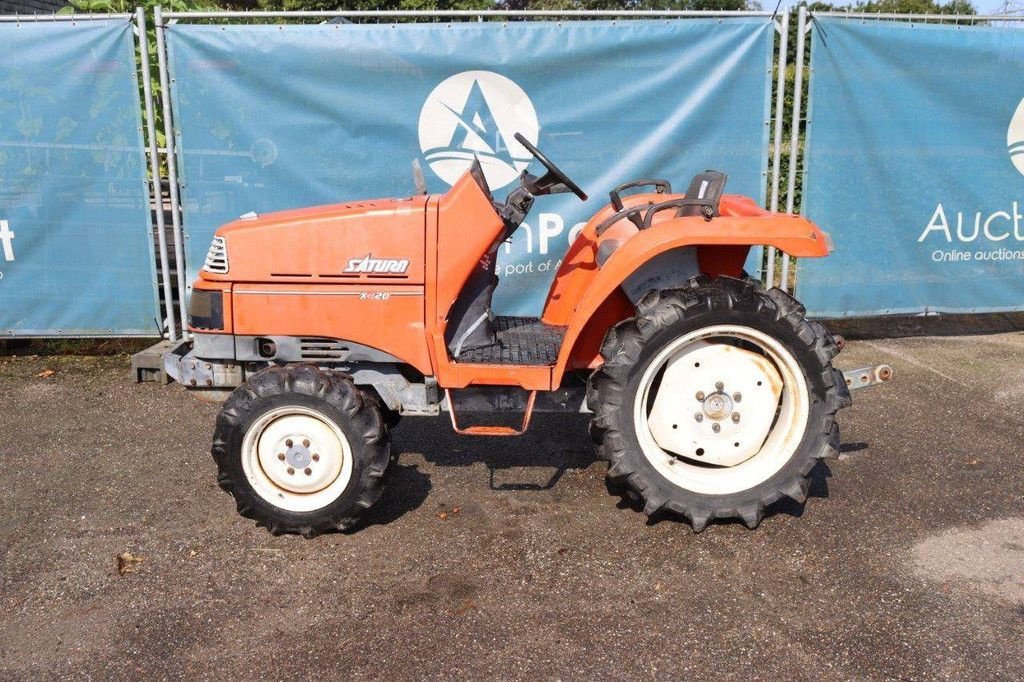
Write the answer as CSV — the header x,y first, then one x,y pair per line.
x,y
76,257
275,117
915,165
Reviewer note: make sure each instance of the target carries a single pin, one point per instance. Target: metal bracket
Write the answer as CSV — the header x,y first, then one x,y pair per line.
x,y
181,364
867,376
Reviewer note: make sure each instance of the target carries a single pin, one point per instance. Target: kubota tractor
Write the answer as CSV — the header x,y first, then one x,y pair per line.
x,y
712,397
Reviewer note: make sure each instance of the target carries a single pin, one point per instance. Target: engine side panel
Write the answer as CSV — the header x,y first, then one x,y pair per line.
x,y
386,317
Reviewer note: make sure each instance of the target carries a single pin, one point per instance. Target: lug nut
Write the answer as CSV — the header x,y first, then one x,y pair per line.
x,y
307,471
736,417
736,397
316,457
291,471
288,442
700,395
305,443
280,456
719,385
699,416
716,428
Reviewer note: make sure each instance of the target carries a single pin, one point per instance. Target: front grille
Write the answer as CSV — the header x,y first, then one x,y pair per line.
x,y
323,349
217,257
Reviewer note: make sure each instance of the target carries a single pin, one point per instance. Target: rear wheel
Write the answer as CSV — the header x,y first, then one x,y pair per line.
x,y
716,400
301,450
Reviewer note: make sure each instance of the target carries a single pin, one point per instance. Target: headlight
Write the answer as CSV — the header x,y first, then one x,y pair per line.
x,y
217,257
206,309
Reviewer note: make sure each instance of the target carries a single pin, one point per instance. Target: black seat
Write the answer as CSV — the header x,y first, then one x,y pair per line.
x,y
705,191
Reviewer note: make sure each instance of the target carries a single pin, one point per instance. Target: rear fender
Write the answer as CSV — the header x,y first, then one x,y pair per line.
x,y
721,246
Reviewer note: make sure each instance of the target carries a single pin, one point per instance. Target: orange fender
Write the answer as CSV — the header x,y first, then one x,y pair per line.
x,y
722,244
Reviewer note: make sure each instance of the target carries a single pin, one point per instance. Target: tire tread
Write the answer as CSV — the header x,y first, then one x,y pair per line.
x,y
608,397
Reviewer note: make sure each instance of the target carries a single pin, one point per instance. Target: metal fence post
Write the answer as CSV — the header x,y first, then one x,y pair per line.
x,y
780,105
794,133
172,171
154,168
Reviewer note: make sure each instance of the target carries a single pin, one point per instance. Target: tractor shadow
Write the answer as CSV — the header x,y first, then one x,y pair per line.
x,y
557,441
405,489
553,441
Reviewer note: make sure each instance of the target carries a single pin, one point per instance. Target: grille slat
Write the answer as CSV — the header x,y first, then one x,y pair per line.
x,y
323,349
217,257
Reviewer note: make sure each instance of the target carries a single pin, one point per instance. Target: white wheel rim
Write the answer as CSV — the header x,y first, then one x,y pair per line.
x,y
743,451
296,458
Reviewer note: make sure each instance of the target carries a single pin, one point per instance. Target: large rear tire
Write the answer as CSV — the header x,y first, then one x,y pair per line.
x,y
716,400
301,450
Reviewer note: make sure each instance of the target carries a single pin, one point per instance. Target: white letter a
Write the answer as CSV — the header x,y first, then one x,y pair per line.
x,y
938,223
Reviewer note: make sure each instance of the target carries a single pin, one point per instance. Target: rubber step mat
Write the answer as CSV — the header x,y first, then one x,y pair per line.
x,y
521,341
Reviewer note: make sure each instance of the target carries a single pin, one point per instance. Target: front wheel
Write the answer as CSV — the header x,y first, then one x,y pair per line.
x,y
301,450
716,400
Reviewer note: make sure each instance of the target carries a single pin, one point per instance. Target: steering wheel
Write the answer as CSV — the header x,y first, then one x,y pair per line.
x,y
553,170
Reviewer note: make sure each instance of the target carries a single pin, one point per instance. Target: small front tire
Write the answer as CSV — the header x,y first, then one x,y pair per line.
x,y
302,450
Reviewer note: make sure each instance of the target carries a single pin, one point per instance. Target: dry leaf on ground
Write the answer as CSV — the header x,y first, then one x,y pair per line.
x,y
128,562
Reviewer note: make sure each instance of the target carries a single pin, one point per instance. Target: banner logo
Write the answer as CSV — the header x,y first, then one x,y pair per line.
x,y
6,241
1015,138
477,113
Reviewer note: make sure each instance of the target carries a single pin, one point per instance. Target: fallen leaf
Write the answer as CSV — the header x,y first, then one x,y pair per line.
x,y
46,374
442,515
972,462
128,562
455,510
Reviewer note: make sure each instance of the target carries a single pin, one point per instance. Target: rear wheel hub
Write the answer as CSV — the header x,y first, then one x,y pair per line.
x,y
717,374
721,409
717,406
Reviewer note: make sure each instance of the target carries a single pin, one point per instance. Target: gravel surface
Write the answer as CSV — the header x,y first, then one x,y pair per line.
x,y
508,558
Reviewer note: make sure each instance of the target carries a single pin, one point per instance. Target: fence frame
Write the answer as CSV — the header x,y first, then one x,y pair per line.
x,y
48,18
154,170
805,24
138,21
162,19
177,316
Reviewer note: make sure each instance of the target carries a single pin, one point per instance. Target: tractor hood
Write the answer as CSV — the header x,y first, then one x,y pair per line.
x,y
357,242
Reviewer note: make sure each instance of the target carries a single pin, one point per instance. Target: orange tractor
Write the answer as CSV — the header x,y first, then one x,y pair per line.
x,y
712,397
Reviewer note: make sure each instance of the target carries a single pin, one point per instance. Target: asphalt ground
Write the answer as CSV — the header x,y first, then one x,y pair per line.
x,y
508,558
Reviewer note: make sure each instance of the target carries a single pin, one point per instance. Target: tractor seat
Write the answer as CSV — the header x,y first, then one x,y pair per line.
x,y
706,191
702,198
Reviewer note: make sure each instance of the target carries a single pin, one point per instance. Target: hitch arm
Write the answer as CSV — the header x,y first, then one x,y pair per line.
x,y
867,376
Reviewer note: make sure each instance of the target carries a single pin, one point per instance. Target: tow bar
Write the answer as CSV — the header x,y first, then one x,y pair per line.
x,y
867,376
